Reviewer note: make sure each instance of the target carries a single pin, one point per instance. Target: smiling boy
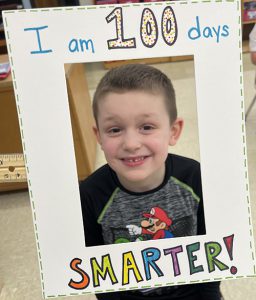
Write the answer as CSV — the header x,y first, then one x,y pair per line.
x,y
136,121
135,137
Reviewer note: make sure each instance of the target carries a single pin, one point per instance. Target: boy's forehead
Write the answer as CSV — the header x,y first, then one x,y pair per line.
x,y
132,100
132,95
138,104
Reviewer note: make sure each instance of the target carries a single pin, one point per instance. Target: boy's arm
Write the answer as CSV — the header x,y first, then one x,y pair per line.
x,y
200,213
200,219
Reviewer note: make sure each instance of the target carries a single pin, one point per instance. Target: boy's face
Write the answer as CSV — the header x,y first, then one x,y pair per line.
x,y
134,132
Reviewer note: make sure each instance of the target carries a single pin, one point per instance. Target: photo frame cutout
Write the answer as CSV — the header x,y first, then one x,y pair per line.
x,y
39,42
179,78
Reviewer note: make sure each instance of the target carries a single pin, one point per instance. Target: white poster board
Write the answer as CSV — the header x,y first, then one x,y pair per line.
x,y
40,42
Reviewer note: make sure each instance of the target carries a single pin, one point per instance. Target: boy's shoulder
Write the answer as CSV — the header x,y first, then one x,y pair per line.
x,y
183,168
181,163
102,178
183,159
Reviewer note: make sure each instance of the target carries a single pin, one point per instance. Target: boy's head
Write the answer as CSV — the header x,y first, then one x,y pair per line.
x,y
136,117
136,77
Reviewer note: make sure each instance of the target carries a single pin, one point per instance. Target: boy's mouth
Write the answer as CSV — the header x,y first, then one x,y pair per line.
x,y
134,161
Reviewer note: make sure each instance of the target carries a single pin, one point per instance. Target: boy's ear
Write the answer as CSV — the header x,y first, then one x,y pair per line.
x,y
175,131
97,134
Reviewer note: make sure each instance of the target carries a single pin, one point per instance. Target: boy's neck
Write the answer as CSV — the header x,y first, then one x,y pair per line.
x,y
145,185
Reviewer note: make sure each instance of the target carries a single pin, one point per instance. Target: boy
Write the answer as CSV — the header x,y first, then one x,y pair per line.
x,y
143,192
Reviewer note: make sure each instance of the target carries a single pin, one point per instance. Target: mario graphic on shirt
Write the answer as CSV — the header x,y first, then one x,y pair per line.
x,y
156,223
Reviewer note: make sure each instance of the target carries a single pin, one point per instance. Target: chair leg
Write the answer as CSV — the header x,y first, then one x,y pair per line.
x,y
250,107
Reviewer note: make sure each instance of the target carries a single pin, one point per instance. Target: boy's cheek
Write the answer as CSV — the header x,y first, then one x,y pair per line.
x,y
159,143
108,147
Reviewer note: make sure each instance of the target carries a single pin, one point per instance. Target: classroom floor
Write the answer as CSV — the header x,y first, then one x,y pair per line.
x,y
19,272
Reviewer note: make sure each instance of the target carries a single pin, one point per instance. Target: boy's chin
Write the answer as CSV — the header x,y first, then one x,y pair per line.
x,y
137,183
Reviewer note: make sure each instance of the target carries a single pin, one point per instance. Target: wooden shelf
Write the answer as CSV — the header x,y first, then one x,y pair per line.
x,y
249,22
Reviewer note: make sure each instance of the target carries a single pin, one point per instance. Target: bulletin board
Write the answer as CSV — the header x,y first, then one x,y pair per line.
x,y
40,42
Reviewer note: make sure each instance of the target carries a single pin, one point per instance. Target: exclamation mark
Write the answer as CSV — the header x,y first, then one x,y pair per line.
x,y
229,242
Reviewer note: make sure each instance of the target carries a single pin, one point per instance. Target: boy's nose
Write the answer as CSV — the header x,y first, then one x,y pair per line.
x,y
131,141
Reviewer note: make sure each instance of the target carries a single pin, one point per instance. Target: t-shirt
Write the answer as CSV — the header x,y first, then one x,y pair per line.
x,y
112,214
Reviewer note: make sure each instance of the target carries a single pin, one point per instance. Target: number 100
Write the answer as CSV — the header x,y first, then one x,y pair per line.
x,y
148,29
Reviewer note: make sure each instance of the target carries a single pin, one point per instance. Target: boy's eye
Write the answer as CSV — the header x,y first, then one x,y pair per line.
x,y
113,130
147,127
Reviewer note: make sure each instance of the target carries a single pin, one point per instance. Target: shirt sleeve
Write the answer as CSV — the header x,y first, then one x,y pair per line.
x,y
200,213
92,230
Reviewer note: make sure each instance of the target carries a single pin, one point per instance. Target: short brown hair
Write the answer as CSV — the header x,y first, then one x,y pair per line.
x,y
136,77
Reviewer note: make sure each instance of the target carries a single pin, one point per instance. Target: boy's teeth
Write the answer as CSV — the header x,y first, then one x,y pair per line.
x,y
135,159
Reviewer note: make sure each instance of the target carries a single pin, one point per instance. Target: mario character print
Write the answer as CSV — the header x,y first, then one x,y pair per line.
x,y
156,223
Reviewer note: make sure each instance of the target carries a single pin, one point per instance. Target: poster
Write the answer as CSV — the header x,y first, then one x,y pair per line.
x,y
40,42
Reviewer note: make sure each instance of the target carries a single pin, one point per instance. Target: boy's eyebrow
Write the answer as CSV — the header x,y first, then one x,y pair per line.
x,y
148,115
111,118
117,117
